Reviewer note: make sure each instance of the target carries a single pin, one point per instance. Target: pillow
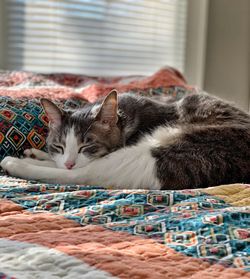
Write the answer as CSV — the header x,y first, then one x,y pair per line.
x,y
23,123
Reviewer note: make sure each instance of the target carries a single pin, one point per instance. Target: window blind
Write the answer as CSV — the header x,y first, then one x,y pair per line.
x,y
95,37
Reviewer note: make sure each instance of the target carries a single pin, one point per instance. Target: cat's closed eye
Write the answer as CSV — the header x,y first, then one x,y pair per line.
x,y
59,148
90,148
81,149
88,139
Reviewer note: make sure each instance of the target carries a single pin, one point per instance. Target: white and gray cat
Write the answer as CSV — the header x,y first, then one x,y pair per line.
x,y
128,141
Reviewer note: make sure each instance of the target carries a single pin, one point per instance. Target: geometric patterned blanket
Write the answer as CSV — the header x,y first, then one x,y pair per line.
x,y
74,231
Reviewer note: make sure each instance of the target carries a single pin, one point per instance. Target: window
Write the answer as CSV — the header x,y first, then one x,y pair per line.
x,y
95,37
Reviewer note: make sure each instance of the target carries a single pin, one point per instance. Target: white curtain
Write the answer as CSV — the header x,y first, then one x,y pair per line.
x,y
95,37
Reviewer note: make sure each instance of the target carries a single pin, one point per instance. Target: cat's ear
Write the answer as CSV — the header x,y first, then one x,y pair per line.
x,y
53,113
108,111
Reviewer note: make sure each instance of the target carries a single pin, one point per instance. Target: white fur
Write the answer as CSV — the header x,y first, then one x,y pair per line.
x,y
129,167
43,163
71,152
165,136
42,158
40,155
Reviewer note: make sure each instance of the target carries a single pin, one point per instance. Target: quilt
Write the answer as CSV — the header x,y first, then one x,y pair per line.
x,y
79,231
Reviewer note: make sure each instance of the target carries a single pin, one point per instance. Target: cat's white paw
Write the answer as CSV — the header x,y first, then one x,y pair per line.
x,y
13,166
36,154
8,162
29,153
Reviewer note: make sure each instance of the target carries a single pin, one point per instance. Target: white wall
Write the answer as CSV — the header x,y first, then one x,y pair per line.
x,y
2,41
196,41
227,55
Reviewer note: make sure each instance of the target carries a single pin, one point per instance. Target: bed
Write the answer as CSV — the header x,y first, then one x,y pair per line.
x,y
81,231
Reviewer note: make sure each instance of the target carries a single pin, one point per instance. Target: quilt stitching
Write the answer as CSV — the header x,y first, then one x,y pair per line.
x,y
190,221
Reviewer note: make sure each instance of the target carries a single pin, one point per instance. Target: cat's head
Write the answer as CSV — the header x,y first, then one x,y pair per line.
x,y
77,137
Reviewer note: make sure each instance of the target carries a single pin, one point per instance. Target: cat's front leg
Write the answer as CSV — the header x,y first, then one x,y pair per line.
x,y
20,168
37,162
14,166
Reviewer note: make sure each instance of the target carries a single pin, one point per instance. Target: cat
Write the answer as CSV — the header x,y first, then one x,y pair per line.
x,y
128,141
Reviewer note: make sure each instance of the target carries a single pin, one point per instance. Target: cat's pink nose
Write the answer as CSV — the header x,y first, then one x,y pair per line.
x,y
69,164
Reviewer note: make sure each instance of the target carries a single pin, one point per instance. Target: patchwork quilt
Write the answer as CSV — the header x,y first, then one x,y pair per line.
x,y
77,231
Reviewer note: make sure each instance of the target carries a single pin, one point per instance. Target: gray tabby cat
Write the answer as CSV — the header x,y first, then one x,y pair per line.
x,y
138,142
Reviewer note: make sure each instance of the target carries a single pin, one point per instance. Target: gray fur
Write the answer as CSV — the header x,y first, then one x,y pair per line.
x,y
213,148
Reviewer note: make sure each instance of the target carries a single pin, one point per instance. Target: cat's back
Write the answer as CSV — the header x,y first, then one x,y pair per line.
x,y
207,109
197,108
